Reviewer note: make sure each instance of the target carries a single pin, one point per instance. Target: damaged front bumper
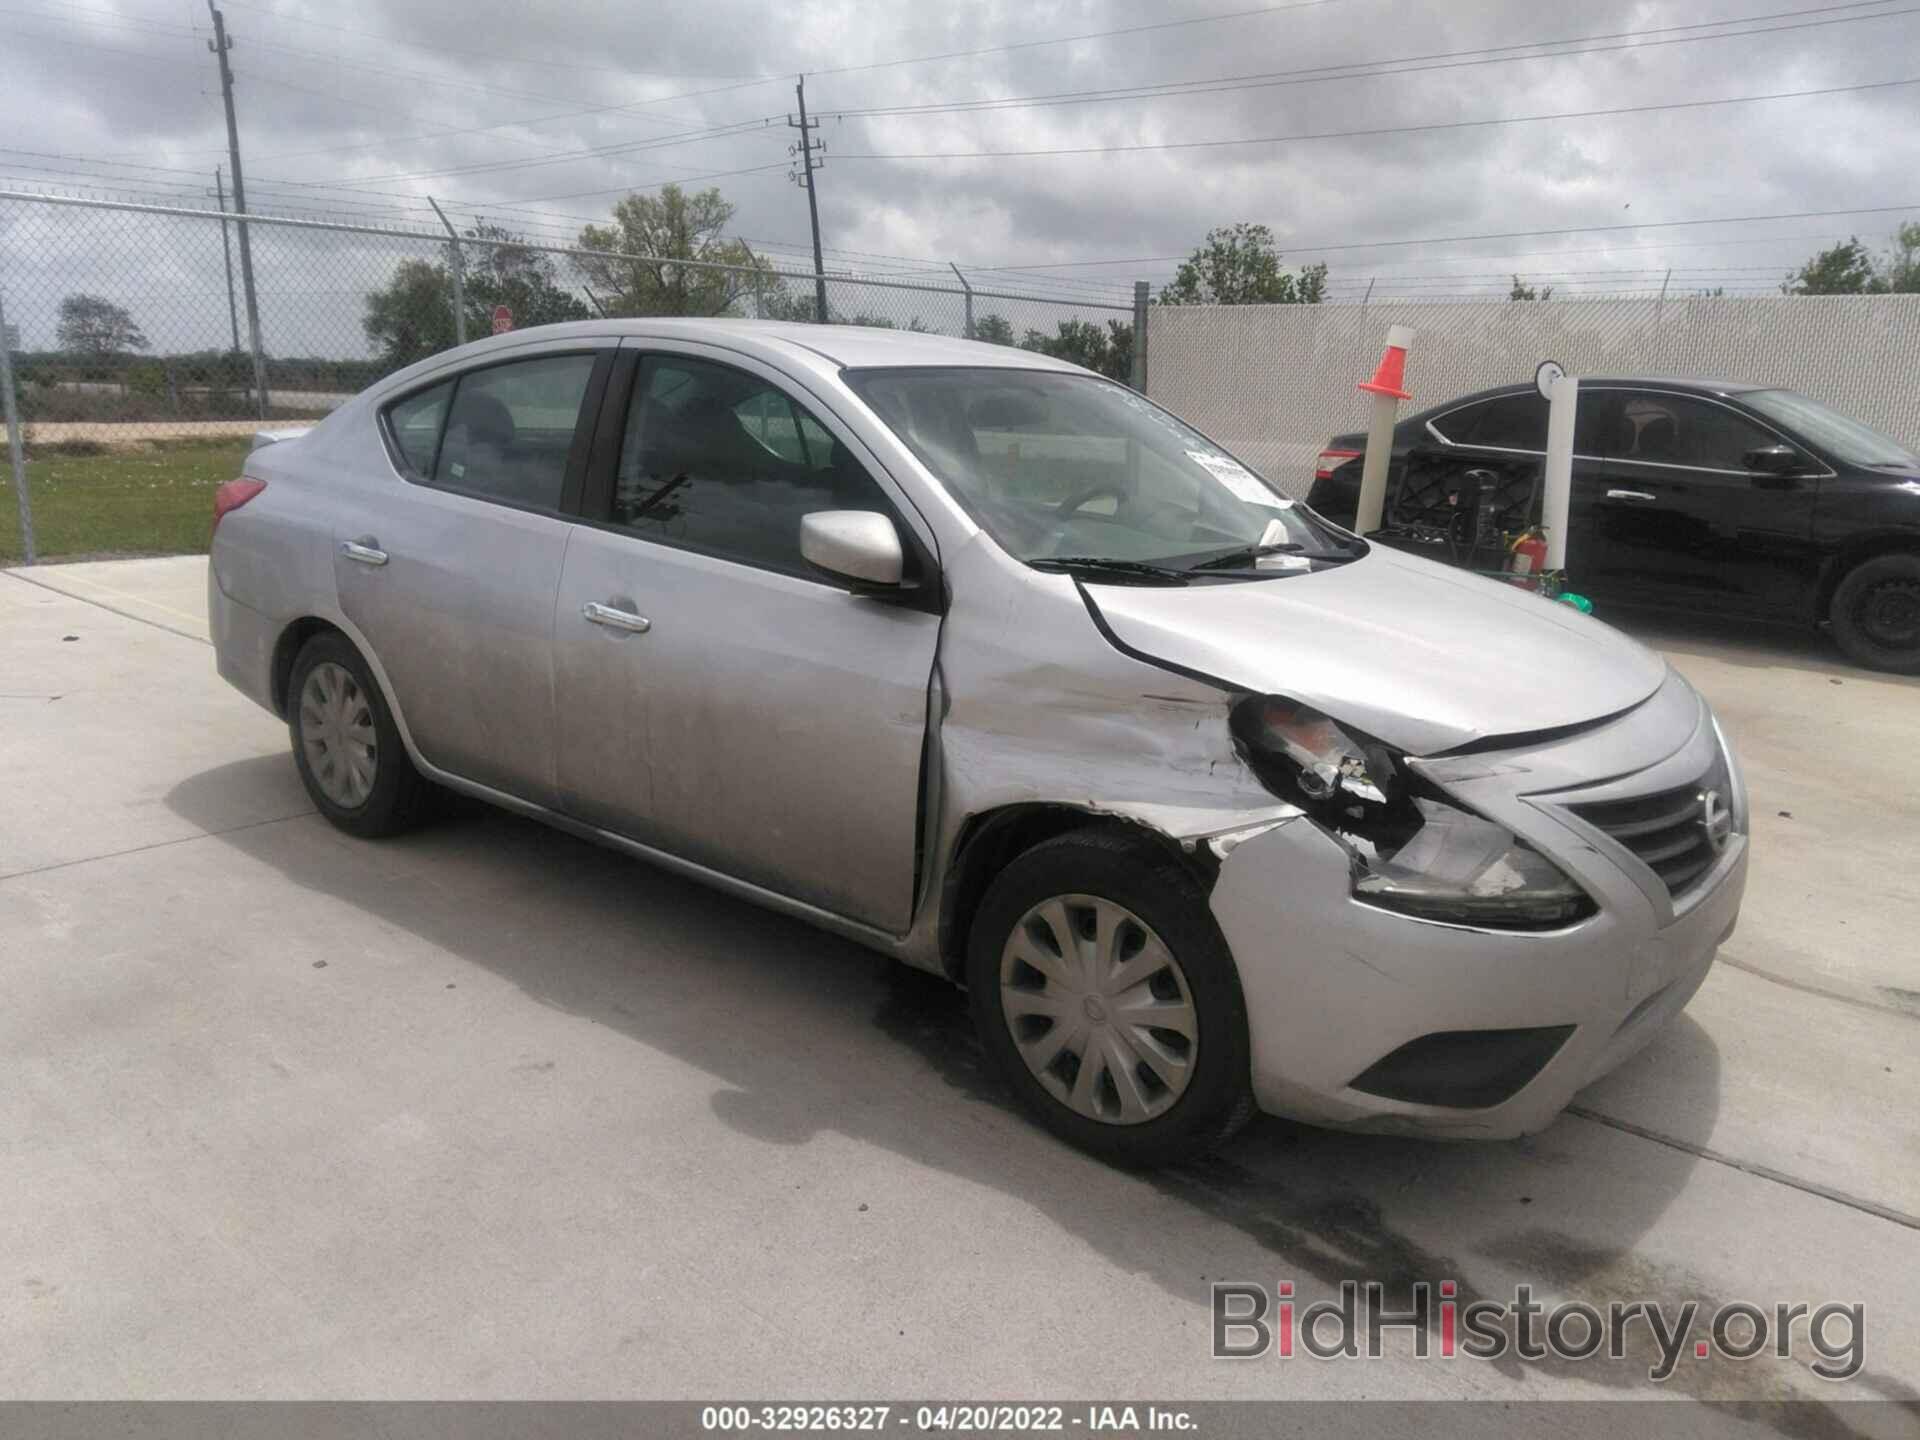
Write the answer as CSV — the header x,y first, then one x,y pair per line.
x,y
1363,1018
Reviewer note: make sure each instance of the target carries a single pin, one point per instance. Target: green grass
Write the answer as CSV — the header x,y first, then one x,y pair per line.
x,y
153,501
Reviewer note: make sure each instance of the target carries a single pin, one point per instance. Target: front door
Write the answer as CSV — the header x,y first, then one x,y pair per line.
x,y
1685,522
716,698
448,571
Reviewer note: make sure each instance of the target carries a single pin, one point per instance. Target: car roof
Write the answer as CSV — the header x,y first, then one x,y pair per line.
x,y
1693,385
849,346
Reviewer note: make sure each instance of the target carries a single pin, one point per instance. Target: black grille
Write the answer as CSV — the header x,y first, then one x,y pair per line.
x,y
1667,830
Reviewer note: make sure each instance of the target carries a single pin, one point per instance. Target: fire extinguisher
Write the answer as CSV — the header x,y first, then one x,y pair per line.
x,y
1528,556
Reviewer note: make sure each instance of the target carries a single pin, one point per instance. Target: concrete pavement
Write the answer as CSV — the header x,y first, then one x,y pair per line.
x,y
487,1111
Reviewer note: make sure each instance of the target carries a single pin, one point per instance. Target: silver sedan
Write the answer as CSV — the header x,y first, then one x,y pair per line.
x,y
993,665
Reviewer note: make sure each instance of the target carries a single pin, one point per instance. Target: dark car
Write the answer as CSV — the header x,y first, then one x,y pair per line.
x,y
1689,496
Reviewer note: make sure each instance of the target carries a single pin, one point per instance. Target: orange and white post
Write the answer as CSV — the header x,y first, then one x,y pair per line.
x,y
1388,387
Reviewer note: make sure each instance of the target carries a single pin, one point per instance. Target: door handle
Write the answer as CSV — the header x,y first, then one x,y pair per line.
x,y
1631,495
595,613
365,554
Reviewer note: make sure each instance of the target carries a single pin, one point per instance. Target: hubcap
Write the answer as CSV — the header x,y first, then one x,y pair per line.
x,y
1099,1009
1890,614
336,732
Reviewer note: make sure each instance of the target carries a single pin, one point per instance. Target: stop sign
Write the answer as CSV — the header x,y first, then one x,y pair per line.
x,y
502,319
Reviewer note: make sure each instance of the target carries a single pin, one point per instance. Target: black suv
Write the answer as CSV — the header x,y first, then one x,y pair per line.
x,y
1688,495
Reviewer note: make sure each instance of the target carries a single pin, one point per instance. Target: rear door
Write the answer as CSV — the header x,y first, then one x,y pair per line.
x,y
1684,521
449,573
716,698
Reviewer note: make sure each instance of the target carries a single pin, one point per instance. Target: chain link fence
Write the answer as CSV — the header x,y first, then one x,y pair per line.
x,y
1274,382
143,349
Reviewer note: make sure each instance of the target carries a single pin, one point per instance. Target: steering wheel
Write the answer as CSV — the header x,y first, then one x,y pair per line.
x,y
1092,492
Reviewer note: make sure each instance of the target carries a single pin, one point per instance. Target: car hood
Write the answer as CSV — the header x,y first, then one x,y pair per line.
x,y
1424,657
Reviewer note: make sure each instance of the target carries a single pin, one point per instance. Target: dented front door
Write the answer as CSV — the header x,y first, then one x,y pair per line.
x,y
763,725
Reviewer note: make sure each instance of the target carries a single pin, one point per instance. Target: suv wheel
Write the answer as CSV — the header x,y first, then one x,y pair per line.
x,y
1106,997
1876,613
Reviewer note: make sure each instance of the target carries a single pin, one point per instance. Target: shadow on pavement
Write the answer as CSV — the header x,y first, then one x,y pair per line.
x,y
763,1002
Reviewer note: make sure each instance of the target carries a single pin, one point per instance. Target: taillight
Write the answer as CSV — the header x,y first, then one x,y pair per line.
x,y
232,495
1332,460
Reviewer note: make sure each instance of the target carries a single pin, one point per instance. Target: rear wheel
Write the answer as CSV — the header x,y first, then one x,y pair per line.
x,y
1876,613
1108,1001
346,745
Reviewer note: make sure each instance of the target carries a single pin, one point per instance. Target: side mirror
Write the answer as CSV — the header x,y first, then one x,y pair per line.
x,y
857,545
1775,460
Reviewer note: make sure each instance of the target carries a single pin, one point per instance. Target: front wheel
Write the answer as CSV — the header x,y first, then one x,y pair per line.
x,y
1108,1001
1876,613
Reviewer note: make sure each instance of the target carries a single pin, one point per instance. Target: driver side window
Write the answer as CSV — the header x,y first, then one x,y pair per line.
x,y
717,460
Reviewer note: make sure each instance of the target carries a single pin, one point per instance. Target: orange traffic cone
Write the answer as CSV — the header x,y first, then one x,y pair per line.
x,y
1391,377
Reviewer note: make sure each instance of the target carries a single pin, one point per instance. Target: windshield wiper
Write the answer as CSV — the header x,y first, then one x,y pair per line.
x,y
1103,564
1247,554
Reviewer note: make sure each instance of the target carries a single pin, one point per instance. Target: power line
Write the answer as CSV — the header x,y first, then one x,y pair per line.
x,y
652,142
1308,249
1070,39
1368,69
571,66
1373,131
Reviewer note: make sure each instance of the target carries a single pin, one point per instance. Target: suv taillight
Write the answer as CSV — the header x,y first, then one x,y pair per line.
x,y
1332,460
232,495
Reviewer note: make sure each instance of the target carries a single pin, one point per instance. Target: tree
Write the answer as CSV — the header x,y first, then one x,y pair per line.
x,y
526,281
993,328
650,233
1900,273
1843,269
1083,342
90,325
1239,265
412,317
1528,292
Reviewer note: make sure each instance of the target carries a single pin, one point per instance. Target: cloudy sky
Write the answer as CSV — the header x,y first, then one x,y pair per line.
x,y
540,116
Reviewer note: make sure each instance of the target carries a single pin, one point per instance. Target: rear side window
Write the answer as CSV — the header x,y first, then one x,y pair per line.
x,y
510,428
415,425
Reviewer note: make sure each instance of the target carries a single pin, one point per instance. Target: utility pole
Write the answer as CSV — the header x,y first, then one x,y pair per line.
x,y
220,45
805,151
226,254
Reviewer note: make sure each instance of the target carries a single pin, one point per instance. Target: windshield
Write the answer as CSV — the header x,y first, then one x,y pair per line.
x,y
1076,469
1848,441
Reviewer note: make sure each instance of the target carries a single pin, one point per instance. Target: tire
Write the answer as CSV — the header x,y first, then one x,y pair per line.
x,y
1104,879
384,794
1876,613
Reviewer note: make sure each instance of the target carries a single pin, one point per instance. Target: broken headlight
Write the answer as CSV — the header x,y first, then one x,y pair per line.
x,y
1413,850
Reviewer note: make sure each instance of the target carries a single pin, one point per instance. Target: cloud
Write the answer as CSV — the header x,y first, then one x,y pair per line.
x,y
366,95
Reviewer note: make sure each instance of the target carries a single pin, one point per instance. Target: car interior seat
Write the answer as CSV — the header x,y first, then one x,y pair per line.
x,y
1659,439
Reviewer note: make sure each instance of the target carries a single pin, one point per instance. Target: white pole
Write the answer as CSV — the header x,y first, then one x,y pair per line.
x,y
1556,501
1373,468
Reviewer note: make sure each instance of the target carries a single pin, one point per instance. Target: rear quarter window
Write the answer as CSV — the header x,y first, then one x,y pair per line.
x,y
415,423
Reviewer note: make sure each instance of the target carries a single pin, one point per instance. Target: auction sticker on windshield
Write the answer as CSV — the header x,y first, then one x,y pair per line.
x,y
1241,481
